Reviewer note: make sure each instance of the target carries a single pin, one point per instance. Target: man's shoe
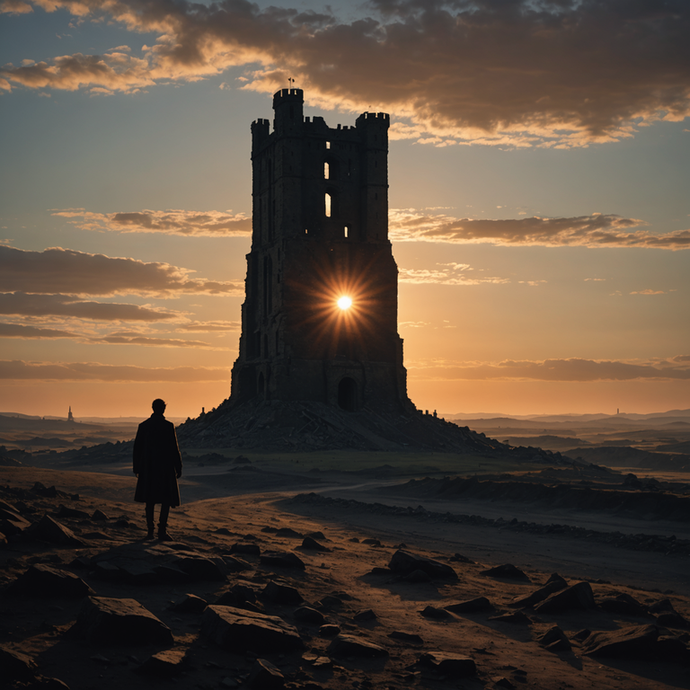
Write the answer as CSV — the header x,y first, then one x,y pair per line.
x,y
164,536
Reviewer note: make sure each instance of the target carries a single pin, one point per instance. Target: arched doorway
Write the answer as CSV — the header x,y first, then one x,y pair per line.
x,y
347,394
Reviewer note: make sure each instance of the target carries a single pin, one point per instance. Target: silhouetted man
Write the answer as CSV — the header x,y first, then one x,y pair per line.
x,y
157,464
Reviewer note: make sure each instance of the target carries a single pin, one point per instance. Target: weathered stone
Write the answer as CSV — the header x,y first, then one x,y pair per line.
x,y
281,559
506,571
200,567
65,512
410,638
637,641
434,613
578,596
119,621
449,665
165,664
623,604
246,549
554,584
555,640
404,562
310,544
306,614
516,618
15,665
348,645
42,580
99,516
329,630
280,593
232,628
190,604
265,676
288,532
364,616
50,530
470,606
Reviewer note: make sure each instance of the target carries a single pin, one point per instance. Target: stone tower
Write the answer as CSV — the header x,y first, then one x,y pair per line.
x,y
320,232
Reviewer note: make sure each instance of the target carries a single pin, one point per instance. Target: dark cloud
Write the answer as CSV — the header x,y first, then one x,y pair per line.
x,y
70,272
597,230
11,330
21,304
148,341
210,326
555,370
90,371
175,222
526,71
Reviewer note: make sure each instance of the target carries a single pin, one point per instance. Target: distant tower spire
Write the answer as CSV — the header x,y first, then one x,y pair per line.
x,y
70,416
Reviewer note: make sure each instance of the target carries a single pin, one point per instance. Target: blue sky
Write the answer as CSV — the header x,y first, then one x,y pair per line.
x,y
538,168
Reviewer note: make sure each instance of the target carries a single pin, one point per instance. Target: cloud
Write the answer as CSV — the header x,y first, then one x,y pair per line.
x,y
172,222
11,330
596,230
21,304
90,371
66,271
648,291
446,274
555,370
210,326
486,71
15,7
136,339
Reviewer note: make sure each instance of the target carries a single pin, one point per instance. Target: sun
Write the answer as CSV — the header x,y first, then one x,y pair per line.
x,y
345,302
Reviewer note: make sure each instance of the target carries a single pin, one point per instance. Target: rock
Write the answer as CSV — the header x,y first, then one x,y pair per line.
x,y
404,563
47,492
470,606
306,614
554,640
348,645
42,580
364,616
235,565
516,618
246,549
632,642
434,613
99,516
119,621
50,530
554,584
578,596
288,532
165,664
265,676
11,522
201,568
671,619
410,638
417,576
506,572
16,665
281,559
280,593
329,630
623,604
65,512
233,628
449,665
190,604
310,544
239,596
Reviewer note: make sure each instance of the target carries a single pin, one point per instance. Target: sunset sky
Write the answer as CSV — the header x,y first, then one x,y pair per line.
x,y
539,174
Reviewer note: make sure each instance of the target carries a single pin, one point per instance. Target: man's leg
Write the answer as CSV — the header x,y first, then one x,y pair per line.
x,y
163,524
149,520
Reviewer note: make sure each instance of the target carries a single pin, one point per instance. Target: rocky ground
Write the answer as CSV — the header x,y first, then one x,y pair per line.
x,y
284,590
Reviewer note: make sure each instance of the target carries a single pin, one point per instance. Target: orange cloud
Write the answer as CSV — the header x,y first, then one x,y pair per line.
x,y
596,230
172,222
66,271
487,71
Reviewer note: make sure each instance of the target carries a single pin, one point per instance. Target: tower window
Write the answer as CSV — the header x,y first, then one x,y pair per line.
x,y
328,205
328,144
346,232
326,171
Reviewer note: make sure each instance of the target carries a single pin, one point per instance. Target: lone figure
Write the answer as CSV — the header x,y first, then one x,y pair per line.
x,y
158,465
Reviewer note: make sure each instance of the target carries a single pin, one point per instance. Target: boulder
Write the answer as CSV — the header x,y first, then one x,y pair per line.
x,y
16,665
233,628
281,559
578,596
554,640
515,618
50,530
633,642
190,604
404,563
449,665
506,572
554,584
470,606
265,676
310,544
246,549
11,522
306,614
329,630
349,645
165,664
280,593
42,580
409,638
435,613
364,616
99,516
119,621
623,604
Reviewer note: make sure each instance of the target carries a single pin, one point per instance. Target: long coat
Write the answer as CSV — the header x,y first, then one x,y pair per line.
x,y
157,462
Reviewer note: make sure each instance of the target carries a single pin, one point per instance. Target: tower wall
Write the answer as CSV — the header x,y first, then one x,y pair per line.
x,y
320,231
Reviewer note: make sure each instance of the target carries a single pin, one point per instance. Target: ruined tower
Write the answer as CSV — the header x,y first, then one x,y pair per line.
x,y
319,234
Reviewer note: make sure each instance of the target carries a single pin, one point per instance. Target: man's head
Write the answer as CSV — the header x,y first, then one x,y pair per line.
x,y
158,406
